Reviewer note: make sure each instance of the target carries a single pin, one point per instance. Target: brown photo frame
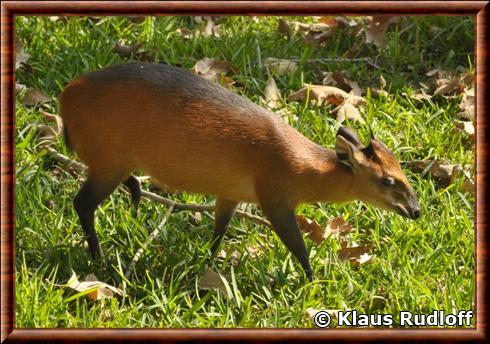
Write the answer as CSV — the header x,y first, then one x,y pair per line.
x,y
10,9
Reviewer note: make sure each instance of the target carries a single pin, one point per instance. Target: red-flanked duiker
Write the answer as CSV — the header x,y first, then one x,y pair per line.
x,y
191,135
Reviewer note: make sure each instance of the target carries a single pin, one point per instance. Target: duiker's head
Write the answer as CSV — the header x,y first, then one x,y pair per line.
x,y
379,176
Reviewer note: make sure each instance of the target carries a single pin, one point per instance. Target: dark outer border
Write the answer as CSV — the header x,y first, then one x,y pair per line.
x,y
11,8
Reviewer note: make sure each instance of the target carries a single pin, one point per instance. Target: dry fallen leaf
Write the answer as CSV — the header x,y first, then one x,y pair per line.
x,y
346,84
311,33
329,20
357,255
35,96
215,71
185,33
283,27
254,251
211,28
329,94
347,22
447,86
20,87
196,218
125,50
54,118
100,289
337,79
376,27
465,127
338,226
46,134
469,187
444,173
421,96
347,110
447,83
210,280
467,104
281,66
377,92
272,94
20,55
312,228
382,82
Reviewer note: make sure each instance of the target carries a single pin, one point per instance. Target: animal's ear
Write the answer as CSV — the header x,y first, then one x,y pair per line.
x,y
348,153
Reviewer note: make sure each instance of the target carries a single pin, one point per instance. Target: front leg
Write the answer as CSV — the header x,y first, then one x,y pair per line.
x,y
283,220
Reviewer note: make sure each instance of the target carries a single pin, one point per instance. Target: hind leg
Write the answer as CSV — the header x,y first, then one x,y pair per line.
x,y
91,194
225,209
134,187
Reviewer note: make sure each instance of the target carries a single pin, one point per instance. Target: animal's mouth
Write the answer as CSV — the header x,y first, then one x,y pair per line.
x,y
408,213
402,211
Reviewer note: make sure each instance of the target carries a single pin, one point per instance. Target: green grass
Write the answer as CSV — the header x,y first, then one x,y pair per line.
x,y
419,265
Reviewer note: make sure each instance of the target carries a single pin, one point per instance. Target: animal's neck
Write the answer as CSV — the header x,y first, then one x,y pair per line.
x,y
325,179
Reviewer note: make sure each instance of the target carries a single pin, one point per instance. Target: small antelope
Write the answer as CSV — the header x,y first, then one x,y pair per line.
x,y
189,134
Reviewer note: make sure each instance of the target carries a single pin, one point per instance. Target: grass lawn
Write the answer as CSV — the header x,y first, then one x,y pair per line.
x,y
419,266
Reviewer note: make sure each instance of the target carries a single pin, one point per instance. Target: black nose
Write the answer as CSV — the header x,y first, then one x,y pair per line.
x,y
415,213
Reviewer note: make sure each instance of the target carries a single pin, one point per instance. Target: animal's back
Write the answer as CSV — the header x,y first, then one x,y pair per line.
x,y
184,131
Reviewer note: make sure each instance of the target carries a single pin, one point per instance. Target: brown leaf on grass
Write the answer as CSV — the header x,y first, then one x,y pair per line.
x,y
35,96
329,94
125,50
196,218
283,27
378,93
338,226
447,86
20,87
272,94
312,228
211,29
311,33
469,187
20,56
211,280
208,25
337,79
185,33
382,82
346,84
254,251
215,71
467,104
466,127
314,33
57,120
347,22
347,110
446,83
444,173
329,20
98,289
421,96
46,133
280,66
357,255
376,27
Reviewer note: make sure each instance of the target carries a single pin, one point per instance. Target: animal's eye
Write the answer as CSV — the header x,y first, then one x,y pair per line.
x,y
388,181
